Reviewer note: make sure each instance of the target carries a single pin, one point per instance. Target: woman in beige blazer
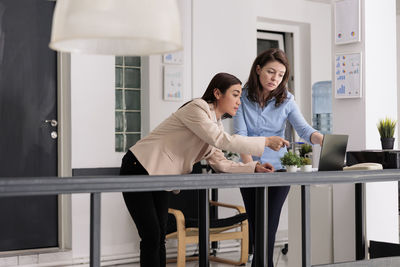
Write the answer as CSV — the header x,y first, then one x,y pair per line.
x,y
194,132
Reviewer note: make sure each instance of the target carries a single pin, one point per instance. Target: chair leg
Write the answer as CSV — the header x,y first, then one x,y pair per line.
x,y
245,242
181,257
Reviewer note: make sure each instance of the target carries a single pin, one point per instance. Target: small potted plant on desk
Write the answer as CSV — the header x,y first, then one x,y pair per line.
x,y
386,129
306,165
290,160
305,151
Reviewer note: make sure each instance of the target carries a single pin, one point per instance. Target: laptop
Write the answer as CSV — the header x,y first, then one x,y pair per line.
x,y
333,152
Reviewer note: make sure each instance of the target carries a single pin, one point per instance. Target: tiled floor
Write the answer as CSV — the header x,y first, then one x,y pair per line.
x,y
280,260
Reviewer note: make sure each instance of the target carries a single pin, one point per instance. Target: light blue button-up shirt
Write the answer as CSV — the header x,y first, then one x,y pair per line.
x,y
252,120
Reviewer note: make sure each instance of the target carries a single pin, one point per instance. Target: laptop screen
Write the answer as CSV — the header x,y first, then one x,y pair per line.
x,y
333,151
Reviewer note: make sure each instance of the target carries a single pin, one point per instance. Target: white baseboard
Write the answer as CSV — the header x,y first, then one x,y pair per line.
x,y
64,258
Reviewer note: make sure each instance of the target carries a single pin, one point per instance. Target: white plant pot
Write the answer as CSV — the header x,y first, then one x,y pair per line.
x,y
291,168
306,168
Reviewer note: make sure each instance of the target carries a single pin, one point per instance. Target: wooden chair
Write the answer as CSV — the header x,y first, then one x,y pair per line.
x,y
187,233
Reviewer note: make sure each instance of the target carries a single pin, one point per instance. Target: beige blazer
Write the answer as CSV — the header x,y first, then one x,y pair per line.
x,y
189,135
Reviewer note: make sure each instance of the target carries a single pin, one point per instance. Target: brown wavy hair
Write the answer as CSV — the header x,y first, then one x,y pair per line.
x,y
253,85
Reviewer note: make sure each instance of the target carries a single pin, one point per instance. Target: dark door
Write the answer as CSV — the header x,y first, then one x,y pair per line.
x,y
28,97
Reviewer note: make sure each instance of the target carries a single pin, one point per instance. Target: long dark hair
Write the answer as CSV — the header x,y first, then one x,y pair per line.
x,y
223,81
253,83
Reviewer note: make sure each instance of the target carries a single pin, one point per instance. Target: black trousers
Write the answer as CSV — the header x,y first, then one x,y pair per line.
x,y
276,198
149,211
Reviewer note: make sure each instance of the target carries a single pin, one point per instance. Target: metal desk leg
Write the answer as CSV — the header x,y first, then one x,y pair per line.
x,y
95,209
261,225
360,229
214,215
305,226
204,225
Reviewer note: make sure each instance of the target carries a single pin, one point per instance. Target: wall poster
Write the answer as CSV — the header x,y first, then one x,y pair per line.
x,y
348,75
347,21
173,82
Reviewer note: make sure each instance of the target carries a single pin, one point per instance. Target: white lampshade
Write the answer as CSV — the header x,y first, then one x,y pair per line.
x,y
116,27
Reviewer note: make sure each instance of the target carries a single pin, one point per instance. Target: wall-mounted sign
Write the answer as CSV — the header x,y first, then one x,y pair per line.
x,y
173,83
173,58
347,21
348,75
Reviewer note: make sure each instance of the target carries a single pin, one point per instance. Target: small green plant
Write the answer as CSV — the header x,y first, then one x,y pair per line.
x,y
306,161
290,159
386,127
304,149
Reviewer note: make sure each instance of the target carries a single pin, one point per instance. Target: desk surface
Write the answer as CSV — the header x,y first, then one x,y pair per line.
x,y
55,185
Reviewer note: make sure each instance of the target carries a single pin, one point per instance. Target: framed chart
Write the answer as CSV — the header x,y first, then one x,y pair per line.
x,y
173,83
173,58
348,75
347,21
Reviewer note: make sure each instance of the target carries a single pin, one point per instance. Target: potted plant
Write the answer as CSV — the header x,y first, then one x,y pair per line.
x,y
306,165
305,151
386,129
290,160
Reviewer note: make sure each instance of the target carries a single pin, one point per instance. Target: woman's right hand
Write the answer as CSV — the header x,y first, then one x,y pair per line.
x,y
275,142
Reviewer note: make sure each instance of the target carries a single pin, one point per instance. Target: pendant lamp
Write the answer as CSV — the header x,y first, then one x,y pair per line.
x,y
116,27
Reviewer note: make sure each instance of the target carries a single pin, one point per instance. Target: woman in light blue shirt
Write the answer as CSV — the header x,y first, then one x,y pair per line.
x,y
266,105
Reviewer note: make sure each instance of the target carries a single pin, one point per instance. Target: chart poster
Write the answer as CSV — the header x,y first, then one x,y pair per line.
x,y
347,21
348,75
173,83
173,58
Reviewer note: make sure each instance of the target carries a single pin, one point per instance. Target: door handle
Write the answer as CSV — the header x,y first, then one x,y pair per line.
x,y
53,123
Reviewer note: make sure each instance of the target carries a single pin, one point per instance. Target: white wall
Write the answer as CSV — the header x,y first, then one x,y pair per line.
x,y
228,43
222,42
310,22
382,215
93,139
358,118
398,65
93,126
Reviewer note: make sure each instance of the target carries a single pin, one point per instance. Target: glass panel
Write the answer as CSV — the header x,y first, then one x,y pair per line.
x,y
132,99
132,61
263,44
118,77
132,78
119,121
118,99
119,61
131,139
132,121
119,143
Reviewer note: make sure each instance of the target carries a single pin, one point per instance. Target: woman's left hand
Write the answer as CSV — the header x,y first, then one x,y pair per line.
x,y
265,167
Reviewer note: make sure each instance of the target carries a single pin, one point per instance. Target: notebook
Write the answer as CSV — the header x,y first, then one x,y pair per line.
x,y
333,152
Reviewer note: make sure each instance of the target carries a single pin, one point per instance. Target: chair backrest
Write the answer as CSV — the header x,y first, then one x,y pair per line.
x,y
187,200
